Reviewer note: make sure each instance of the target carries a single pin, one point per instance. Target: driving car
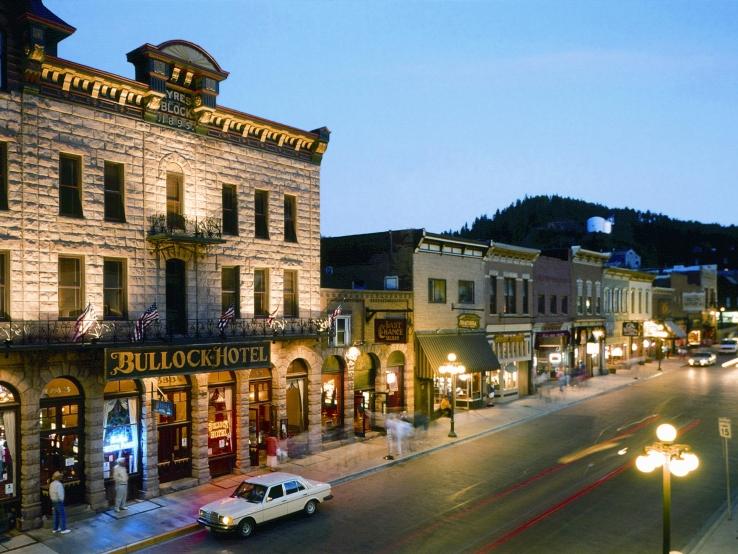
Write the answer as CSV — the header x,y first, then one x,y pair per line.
x,y
263,498
728,346
701,358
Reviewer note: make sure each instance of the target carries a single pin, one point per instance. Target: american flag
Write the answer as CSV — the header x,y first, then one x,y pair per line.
x,y
85,320
150,315
270,319
226,317
334,314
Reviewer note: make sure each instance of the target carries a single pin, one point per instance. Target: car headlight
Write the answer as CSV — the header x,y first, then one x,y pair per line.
x,y
226,520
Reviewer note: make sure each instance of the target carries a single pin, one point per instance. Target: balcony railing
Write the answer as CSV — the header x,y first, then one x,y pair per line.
x,y
180,227
55,332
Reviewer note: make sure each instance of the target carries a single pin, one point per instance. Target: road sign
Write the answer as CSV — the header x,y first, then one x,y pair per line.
x,y
724,427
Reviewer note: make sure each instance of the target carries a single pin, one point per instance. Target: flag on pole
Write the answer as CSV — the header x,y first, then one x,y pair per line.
x,y
270,319
226,317
334,314
147,318
85,320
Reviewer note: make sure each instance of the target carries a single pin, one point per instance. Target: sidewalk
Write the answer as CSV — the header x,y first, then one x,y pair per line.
x,y
148,522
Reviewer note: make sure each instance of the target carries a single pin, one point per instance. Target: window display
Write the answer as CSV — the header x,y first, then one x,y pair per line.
x,y
8,418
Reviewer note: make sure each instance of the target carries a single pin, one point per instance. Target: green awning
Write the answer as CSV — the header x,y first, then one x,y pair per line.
x,y
472,350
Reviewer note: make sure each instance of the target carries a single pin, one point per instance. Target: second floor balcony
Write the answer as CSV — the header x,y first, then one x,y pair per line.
x,y
177,228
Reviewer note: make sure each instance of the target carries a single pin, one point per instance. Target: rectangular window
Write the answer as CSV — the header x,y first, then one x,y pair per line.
x,y
114,289
553,304
70,185
510,297
290,218
589,304
598,298
3,175
391,282
580,297
493,295
175,218
70,287
114,206
261,214
437,291
541,303
230,290
526,284
261,293
564,304
230,210
466,292
342,331
4,288
289,292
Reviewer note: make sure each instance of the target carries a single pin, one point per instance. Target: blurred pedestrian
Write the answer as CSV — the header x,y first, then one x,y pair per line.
x,y
120,477
445,407
272,444
56,494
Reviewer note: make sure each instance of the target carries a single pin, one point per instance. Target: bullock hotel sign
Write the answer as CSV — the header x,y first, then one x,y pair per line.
x,y
137,363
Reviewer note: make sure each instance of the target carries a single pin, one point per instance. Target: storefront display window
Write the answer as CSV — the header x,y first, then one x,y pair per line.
x,y
331,404
120,433
8,442
220,417
296,406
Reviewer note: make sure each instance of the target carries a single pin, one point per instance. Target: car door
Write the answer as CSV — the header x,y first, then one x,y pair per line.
x,y
275,503
295,494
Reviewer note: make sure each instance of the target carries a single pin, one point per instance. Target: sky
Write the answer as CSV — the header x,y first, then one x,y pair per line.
x,y
444,111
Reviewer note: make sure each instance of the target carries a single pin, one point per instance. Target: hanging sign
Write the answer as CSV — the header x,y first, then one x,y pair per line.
x,y
631,329
162,407
390,331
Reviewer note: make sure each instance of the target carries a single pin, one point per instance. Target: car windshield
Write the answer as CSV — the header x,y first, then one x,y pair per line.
x,y
250,492
729,342
701,355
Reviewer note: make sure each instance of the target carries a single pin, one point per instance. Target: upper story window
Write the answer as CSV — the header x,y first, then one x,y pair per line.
x,y
230,294
261,292
290,218
70,185
437,291
580,297
510,295
640,301
588,303
598,298
3,175
4,288
493,294
466,292
553,304
261,214
175,204
541,303
289,293
391,282
341,331
114,204
564,304
70,287
230,210
526,285
114,289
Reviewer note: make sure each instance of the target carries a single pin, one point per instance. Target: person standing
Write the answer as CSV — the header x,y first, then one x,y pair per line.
x,y
56,494
271,447
120,477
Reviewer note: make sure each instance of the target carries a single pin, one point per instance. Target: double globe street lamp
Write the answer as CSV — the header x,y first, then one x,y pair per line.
x,y
676,459
453,369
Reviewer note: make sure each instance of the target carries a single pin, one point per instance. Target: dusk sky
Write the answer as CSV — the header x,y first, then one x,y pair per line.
x,y
441,111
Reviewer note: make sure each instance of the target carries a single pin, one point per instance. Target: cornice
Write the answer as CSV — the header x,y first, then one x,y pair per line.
x,y
510,251
630,274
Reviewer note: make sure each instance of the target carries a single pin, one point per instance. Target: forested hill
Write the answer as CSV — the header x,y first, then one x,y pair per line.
x,y
554,222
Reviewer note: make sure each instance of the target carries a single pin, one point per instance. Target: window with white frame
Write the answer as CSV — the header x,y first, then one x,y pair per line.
x,y
341,331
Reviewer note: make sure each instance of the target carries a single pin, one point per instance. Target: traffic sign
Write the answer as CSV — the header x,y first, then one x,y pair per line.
x,y
724,427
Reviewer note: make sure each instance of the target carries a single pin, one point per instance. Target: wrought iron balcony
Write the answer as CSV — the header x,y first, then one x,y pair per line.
x,y
180,228
25,334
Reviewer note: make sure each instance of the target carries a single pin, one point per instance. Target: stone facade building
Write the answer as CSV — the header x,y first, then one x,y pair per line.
x,y
126,199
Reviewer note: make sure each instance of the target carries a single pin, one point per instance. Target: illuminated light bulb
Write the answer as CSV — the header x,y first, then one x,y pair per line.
x,y
692,461
657,458
644,464
666,432
678,467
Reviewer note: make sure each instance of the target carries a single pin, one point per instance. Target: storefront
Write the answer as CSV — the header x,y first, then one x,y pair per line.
x,y
472,351
365,373
221,423
331,398
121,434
9,456
174,427
589,349
513,349
297,408
262,420
551,353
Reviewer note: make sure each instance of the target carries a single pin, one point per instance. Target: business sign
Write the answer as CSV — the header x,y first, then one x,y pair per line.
x,y
162,407
136,363
631,329
390,330
468,321
693,302
175,110
724,428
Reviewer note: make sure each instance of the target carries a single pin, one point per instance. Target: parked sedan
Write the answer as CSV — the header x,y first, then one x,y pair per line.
x,y
702,359
263,498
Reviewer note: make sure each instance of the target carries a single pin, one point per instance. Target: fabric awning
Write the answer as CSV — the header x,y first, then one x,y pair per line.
x,y
472,350
675,330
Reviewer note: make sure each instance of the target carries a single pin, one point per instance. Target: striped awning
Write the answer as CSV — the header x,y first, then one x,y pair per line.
x,y
675,330
472,350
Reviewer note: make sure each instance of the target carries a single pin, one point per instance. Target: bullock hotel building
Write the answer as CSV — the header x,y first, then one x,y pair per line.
x,y
118,193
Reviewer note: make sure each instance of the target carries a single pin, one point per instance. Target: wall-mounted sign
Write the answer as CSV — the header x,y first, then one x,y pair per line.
x,y
390,330
499,339
554,358
631,329
693,302
653,329
176,111
468,321
135,363
162,407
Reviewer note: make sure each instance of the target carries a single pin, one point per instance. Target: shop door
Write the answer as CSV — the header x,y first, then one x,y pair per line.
x,y
176,297
260,425
361,422
61,449
175,455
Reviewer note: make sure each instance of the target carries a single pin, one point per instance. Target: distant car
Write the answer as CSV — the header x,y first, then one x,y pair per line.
x,y
728,346
263,498
702,359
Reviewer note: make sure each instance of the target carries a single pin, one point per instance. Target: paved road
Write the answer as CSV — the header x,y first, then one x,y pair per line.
x,y
561,483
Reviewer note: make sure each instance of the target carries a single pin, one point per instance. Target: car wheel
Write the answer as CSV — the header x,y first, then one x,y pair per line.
x,y
246,527
311,507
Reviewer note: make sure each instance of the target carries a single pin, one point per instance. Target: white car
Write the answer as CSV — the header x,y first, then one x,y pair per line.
x,y
728,346
702,358
263,498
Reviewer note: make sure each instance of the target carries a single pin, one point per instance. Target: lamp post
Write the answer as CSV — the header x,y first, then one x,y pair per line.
x,y
674,459
453,369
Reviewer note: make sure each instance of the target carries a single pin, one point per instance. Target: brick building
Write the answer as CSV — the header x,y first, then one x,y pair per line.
x,y
119,194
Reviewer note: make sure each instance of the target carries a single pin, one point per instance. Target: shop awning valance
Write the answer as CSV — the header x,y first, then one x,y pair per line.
x,y
674,329
472,350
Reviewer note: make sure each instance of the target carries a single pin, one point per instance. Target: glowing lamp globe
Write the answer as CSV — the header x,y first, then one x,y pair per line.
x,y
666,432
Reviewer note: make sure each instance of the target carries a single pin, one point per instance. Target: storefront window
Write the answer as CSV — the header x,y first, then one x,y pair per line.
x,y
8,442
174,456
331,393
120,430
220,414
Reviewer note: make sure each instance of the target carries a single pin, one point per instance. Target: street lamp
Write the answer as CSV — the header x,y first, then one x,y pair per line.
x,y
453,369
673,458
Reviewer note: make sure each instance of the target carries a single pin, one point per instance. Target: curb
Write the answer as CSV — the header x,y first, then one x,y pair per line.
x,y
145,543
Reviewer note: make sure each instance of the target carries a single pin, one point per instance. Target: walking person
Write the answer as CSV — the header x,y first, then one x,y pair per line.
x,y
56,494
120,477
272,444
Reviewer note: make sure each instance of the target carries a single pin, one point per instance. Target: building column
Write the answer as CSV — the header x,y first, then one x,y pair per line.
x,y
199,428
149,443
